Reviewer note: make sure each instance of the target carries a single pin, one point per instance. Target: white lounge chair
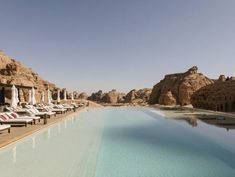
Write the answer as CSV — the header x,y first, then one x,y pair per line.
x,y
13,115
4,119
56,110
5,127
67,106
33,111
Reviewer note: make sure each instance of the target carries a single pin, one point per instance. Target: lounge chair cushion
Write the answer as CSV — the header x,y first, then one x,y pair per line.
x,y
10,116
15,115
19,120
4,117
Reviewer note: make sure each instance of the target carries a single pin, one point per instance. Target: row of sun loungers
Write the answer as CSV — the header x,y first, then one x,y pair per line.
x,y
31,114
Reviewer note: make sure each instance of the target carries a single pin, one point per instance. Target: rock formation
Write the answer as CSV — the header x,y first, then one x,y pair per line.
x,y
83,96
167,99
110,97
219,96
97,96
138,96
181,88
13,72
113,97
178,88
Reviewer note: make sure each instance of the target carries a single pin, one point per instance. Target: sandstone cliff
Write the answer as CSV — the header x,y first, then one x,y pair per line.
x,y
178,88
138,96
219,96
97,96
13,72
113,97
83,96
110,97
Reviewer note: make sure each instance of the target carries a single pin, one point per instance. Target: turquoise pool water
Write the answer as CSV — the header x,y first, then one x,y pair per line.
x,y
122,142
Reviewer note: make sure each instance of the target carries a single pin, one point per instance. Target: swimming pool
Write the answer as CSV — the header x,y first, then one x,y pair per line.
x,y
122,142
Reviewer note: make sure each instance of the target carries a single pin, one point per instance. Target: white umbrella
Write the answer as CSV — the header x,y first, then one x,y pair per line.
x,y
17,95
13,97
72,98
43,97
30,97
58,96
65,95
33,100
49,96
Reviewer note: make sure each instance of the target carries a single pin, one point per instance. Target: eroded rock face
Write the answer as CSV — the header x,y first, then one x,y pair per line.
x,y
10,69
83,95
13,72
75,94
221,78
167,99
97,96
219,96
138,96
178,88
111,97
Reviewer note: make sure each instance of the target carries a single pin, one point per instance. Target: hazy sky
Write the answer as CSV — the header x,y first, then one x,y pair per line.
x,y
88,45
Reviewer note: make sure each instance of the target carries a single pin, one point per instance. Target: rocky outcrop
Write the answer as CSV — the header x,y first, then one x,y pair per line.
x,y
221,78
219,96
13,72
83,96
167,99
178,88
110,97
113,97
138,96
97,96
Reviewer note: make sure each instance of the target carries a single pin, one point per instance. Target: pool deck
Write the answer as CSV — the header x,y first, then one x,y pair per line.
x,y
20,132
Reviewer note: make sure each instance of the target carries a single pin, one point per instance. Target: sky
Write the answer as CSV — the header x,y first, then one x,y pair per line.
x,y
87,45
